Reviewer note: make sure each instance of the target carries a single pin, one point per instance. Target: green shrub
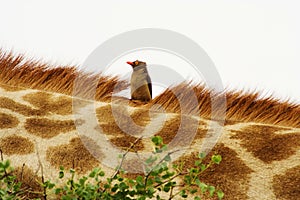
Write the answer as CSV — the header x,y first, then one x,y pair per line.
x,y
161,177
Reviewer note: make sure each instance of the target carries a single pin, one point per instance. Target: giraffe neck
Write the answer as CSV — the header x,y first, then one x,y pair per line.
x,y
44,127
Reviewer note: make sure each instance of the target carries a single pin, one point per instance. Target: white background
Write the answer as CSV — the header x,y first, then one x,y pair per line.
x,y
254,44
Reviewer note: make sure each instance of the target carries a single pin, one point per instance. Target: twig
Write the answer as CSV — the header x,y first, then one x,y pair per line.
x,y
172,178
21,178
72,180
42,172
1,152
124,155
171,193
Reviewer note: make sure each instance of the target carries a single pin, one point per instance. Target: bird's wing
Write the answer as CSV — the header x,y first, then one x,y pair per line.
x,y
149,85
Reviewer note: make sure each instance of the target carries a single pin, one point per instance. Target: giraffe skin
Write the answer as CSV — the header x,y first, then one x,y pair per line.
x,y
41,130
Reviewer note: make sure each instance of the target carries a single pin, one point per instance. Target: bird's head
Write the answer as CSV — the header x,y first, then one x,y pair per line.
x,y
137,64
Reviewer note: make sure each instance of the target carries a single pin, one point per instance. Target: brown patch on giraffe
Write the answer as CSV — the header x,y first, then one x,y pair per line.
x,y
231,175
104,114
188,126
141,117
10,88
8,121
286,186
126,141
19,108
47,128
110,129
74,155
31,182
16,145
265,144
110,113
48,103
132,166
117,121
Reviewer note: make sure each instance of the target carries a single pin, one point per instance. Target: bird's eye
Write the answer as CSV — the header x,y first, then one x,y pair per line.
x,y
136,62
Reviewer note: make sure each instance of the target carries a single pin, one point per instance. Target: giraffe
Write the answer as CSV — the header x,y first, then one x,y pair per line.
x,y
259,144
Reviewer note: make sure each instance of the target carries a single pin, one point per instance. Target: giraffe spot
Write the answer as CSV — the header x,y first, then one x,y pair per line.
x,y
117,121
133,166
16,145
286,186
8,121
48,103
10,88
127,141
141,117
104,114
265,144
75,155
31,183
19,108
110,129
120,139
47,128
231,175
181,131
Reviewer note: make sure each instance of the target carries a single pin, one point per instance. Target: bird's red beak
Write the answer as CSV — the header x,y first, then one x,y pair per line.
x,y
130,63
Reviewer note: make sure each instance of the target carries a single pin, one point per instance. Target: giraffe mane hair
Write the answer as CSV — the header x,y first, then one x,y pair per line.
x,y
18,71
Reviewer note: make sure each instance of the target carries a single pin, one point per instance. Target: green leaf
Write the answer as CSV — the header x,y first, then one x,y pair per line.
x,y
220,194
82,181
101,173
123,186
164,147
166,188
167,158
202,155
194,170
203,167
216,159
115,188
157,140
6,164
201,185
187,179
57,190
93,173
61,174
150,160
197,163
141,198
193,191
211,190
140,180
183,194
157,179
158,150
197,198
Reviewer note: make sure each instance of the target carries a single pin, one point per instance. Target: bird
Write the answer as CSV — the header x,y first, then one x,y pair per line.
x,y
140,84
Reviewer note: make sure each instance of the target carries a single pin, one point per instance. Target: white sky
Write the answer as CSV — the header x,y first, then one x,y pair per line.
x,y
254,44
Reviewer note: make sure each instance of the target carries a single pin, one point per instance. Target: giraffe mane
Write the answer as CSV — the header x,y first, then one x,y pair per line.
x,y
29,73
240,105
